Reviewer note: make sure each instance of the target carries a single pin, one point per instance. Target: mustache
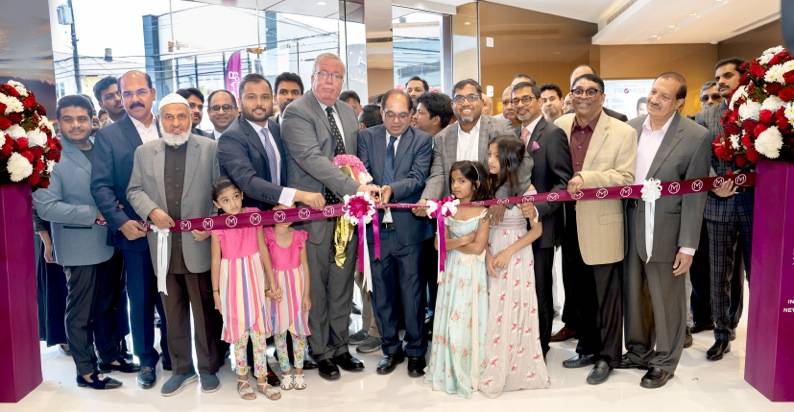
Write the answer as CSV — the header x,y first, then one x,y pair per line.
x,y
136,104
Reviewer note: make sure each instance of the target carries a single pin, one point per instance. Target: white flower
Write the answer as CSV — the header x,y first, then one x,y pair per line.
x,y
37,138
768,54
769,143
734,138
749,110
740,92
772,103
16,131
45,122
13,105
18,167
2,139
20,88
50,165
790,112
775,74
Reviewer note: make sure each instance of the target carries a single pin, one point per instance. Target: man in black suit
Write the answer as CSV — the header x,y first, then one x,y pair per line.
x,y
112,162
398,156
551,170
252,154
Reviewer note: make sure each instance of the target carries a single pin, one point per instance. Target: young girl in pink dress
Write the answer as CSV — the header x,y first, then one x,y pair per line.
x,y
290,300
241,273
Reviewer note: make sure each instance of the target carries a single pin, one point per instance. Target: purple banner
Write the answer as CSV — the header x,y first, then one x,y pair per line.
x,y
233,74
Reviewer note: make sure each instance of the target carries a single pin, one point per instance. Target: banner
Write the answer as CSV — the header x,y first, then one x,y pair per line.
x,y
233,74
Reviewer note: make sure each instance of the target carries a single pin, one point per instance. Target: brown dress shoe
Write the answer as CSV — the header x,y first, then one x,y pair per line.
x,y
563,334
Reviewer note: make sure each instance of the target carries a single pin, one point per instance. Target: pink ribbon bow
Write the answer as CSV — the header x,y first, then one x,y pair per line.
x,y
359,210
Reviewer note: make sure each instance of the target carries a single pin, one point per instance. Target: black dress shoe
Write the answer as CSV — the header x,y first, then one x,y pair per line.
x,y
146,377
309,364
124,351
700,328
688,338
123,366
600,372
655,378
272,379
96,383
347,362
627,363
416,366
578,361
563,334
328,370
388,363
717,350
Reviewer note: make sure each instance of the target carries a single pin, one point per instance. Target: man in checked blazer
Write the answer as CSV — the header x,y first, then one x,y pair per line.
x,y
603,153
671,147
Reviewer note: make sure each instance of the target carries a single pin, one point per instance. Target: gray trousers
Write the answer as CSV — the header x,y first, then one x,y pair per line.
x,y
655,312
331,292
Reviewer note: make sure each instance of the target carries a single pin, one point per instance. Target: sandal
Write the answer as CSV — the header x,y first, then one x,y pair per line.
x,y
244,390
270,392
287,381
298,382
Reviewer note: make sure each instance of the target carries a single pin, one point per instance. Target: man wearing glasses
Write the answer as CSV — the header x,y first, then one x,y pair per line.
x,y
222,110
315,128
603,154
112,163
398,157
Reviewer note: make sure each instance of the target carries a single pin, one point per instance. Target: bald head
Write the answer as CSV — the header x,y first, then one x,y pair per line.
x,y
580,70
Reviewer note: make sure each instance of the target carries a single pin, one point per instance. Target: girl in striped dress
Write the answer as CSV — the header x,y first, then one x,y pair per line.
x,y
241,273
291,302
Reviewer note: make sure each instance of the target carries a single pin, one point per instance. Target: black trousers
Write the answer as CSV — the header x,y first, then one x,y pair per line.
x,y
88,315
701,285
186,292
142,292
396,285
121,327
544,259
51,290
429,277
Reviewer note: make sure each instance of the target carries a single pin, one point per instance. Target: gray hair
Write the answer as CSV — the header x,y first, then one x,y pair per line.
x,y
325,56
707,85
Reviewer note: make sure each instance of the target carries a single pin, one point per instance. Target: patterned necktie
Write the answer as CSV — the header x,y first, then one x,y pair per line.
x,y
339,148
270,151
388,168
525,136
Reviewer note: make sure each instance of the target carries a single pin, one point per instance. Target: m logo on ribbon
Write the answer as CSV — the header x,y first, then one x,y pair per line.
x,y
674,188
328,211
740,179
577,195
255,219
717,182
304,213
231,221
625,191
185,225
279,216
602,193
553,197
697,185
207,223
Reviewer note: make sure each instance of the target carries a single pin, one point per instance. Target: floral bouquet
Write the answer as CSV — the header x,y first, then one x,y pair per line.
x,y
758,122
354,168
28,146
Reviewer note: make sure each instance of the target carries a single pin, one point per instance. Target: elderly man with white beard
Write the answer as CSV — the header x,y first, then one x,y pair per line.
x,y
172,179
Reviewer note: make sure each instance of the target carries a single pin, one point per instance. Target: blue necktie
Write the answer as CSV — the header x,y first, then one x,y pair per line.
x,y
271,157
388,168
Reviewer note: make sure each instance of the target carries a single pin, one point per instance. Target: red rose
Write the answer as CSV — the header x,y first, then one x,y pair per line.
x,y
759,128
45,183
7,148
37,151
3,108
34,178
731,129
722,152
4,123
745,79
732,116
741,161
765,116
789,77
773,88
27,155
746,140
22,143
756,69
39,166
786,94
9,90
780,57
15,118
29,102
752,155
748,125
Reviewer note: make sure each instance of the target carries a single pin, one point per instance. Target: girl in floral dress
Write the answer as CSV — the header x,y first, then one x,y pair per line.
x,y
514,359
458,347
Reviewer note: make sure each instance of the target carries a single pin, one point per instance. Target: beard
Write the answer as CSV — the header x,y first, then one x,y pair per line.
x,y
174,139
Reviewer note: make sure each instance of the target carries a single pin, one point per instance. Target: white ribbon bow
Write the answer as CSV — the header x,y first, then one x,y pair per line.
x,y
651,191
448,209
162,257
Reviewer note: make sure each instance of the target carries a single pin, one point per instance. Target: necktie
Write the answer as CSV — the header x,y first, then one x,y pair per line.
x,y
339,148
525,136
388,168
270,151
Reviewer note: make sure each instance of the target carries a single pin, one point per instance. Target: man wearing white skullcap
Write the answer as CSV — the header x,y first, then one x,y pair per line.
x,y
172,179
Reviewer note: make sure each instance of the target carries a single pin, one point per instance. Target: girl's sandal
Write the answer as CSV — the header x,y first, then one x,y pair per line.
x,y
245,391
298,382
270,392
287,382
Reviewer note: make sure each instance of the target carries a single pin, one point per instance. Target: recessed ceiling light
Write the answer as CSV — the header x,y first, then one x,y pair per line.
x,y
321,3
466,23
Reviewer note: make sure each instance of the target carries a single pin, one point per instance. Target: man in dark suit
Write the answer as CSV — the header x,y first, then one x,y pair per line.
x,y
729,221
112,163
398,157
551,170
315,128
670,147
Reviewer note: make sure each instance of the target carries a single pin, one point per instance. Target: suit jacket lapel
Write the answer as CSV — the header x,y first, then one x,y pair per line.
x,y
348,130
76,156
158,162
273,126
130,132
318,110
402,148
537,132
484,139
192,160
600,134
451,146
253,137
669,142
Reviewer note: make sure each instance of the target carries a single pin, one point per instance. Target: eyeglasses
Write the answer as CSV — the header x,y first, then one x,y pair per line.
x,y
333,76
472,98
579,92
524,100
219,107
140,93
391,115
707,97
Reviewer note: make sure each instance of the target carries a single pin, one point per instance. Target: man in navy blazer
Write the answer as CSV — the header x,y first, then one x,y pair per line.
x,y
114,148
398,157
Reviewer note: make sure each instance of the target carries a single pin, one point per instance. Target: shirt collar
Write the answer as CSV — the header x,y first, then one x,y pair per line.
x,y
474,130
531,127
646,125
140,125
591,125
257,127
323,106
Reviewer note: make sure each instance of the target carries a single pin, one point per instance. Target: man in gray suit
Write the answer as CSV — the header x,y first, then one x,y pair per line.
x,y
315,128
670,147
173,176
81,248
398,156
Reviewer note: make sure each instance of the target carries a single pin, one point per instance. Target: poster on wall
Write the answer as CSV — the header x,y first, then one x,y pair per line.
x,y
628,96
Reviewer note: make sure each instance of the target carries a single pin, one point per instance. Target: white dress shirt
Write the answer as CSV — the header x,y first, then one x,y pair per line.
x,y
287,196
396,142
648,145
530,128
216,134
147,134
469,144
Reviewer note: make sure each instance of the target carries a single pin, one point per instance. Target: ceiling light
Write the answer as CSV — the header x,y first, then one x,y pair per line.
x,y
321,3
466,23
